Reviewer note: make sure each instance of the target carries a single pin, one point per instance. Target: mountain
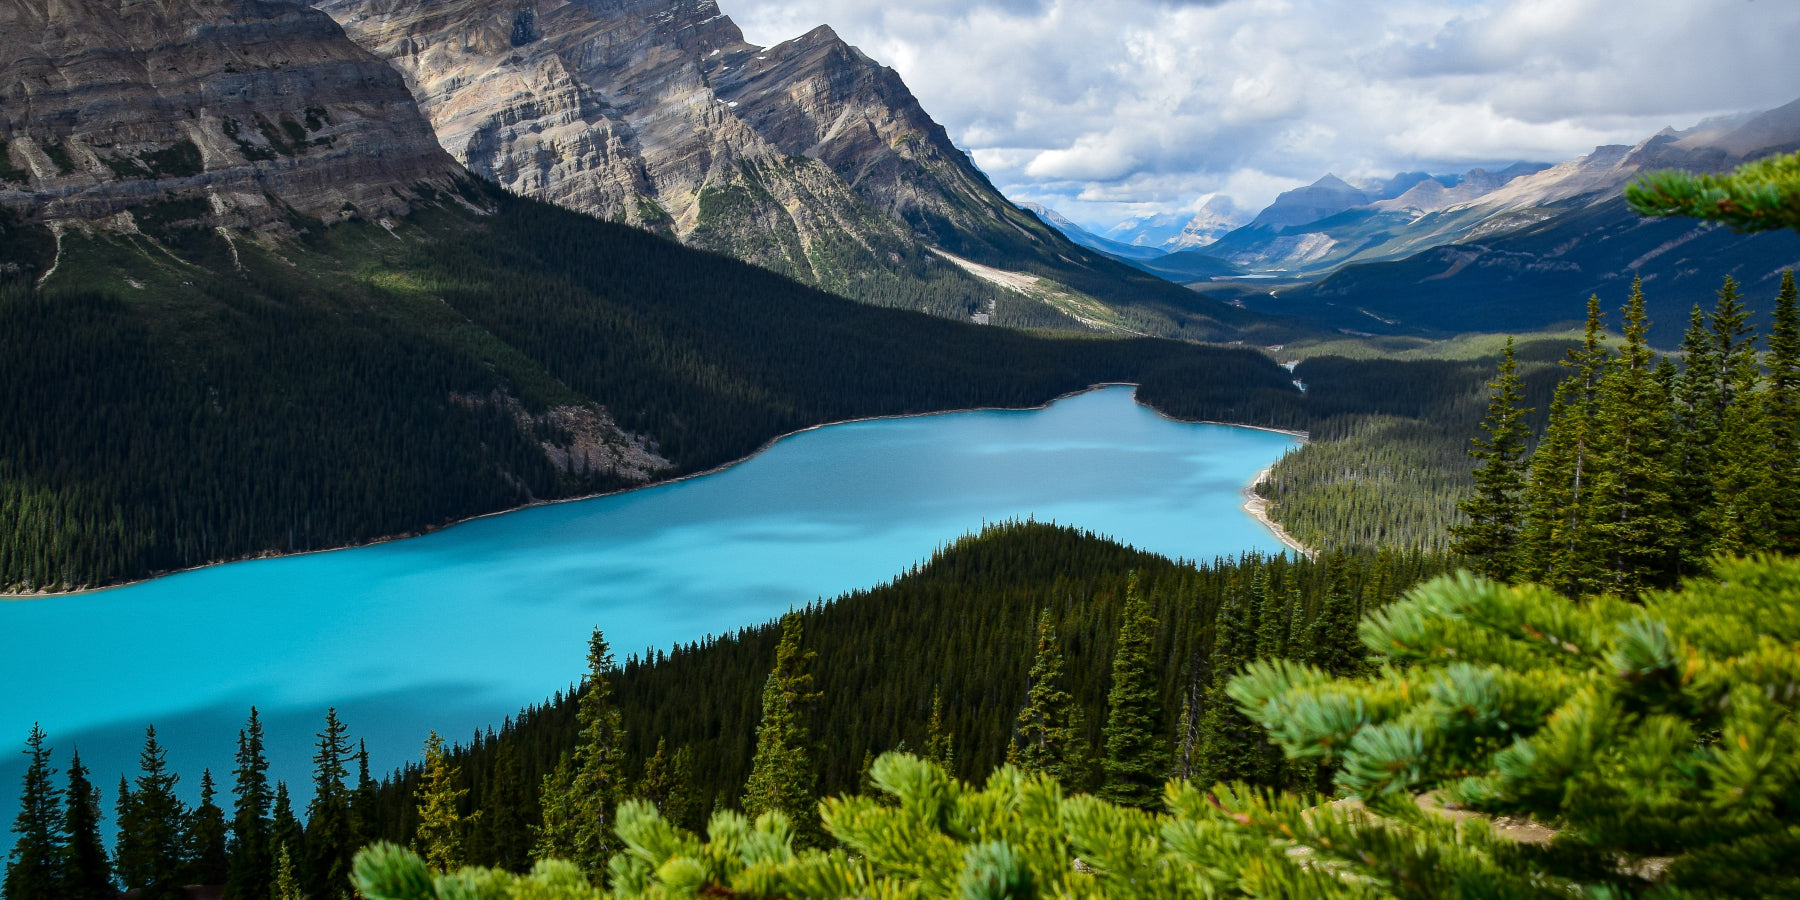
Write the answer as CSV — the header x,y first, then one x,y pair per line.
x,y
1217,217
1304,205
1527,253
807,158
1115,249
260,112
1148,231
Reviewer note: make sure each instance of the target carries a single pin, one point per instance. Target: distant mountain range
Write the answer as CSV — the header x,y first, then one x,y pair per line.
x,y
807,157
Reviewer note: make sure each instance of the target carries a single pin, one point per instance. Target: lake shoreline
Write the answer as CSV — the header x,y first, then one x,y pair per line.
x,y
1258,514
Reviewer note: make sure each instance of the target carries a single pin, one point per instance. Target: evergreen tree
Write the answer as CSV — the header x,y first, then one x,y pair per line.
x,y
87,872
251,866
1632,511
150,850
654,787
1757,196
1272,618
1489,539
1747,488
1333,642
1136,759
579,796
1047,736
940,743
684,797
35,868
441,824
783,776
285,884
364,799
1783,402
1231,749
1694,457
1562,545
207,860
285,831
505,818
331,838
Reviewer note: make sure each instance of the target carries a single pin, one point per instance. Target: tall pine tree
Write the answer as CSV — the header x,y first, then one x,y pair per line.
x,y
579,796
34,869
1136,759
1489,539
1693,458
1632,510
1783,399
441,823
1562,547
1047,736
87,871
783,774
151,849
207,860
251,852
331,834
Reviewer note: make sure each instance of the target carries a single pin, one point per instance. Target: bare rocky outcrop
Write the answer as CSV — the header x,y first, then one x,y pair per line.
x,y
659,114
261,108
579,440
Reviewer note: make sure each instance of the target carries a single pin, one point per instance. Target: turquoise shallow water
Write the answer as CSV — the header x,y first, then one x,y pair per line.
x,y
457,629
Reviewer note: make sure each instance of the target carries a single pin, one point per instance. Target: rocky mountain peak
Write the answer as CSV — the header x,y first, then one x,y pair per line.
x,y
261,108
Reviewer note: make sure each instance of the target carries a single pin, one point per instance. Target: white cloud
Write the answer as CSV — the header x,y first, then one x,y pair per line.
x,y
1113,108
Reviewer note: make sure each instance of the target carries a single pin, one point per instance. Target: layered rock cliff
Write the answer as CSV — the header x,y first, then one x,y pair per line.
x,y
806,157
262,107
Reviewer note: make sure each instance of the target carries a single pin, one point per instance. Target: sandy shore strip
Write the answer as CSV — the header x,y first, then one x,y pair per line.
x,y
1258,508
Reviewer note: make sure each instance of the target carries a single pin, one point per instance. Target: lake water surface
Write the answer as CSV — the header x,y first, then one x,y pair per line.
x,y
458,629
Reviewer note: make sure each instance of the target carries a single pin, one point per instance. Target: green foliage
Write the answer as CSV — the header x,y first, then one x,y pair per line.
x,y
1489,538
331,832
1757,196
151,850
206,836
590,779
1657,729
87,871
965,625
252,860
1019,836
34,868
441,827
1048,734
1135,757
783,774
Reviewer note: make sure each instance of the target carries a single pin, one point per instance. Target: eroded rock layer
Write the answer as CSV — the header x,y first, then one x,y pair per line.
x,y
262,108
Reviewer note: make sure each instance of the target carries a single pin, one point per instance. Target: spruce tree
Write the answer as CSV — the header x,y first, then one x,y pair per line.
x,y
441,833
365,797
331,834
1782,400
151,849
87,871
1633,513
1489,539
35,867
1047,735
783,774
1332,641
1136,758
579,796
285,830
505,817
1562,546
940,743
251,863
654,787
684,792
1694,457
1744,519
285,884
1231,748
207,860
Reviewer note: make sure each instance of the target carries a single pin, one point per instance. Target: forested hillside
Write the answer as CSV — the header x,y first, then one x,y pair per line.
x,y
183,396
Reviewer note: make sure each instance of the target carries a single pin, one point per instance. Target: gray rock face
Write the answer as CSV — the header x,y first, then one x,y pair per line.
x,y
659,114
262,108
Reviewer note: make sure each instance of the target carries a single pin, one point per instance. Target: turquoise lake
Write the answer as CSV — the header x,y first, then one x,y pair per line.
x,y
460,628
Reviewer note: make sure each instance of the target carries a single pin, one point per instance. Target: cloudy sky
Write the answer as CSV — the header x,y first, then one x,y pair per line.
x,y
1108,109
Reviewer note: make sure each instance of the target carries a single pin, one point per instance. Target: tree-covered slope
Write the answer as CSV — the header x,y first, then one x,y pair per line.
x,y
186,394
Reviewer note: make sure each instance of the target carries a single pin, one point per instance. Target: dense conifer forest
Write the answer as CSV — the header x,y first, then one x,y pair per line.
x,y
227,399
